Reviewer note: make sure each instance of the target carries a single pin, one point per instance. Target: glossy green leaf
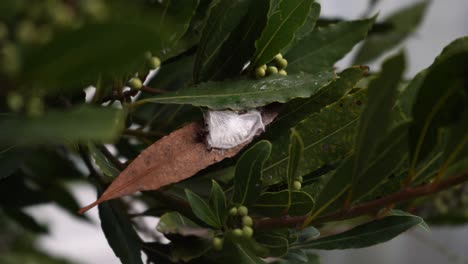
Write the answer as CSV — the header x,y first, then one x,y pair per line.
x,y
119,233
223,17
103,162
202,210
328,137
366,235
218,201
407,96
284,20
78,125
441,100
299,109
277,203
403,23
249,172
296,153
242,94
234,253
375,120
75,59
240,46
278,245
388,159
320,49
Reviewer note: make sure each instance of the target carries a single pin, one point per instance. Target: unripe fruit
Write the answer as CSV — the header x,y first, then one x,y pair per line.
x,y
278,56
272,70
247,231
26,32
264,67
247,220
300,179
95,9
233,211
296,185
218,243
15,102
62,15
3,31
237,232
35,107
282,63
242,210
283,73
154,63
260,72
10,62
135,83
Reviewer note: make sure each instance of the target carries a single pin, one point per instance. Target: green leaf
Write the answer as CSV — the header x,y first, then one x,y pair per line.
x,y
176,15
175,223
202,210
234,253
320,49
76,58
277,203
78,125
278,245
296,153
308,234
328,137
11,159
102,162
423,224
331,195
376,117
222,19
240,46
441,100
119,233
249,172
366,235
218,201
407,96
283,21
404,22
310,23
299,109
388,159
242,94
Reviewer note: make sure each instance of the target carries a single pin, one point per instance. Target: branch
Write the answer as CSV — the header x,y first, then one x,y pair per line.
x,y
368,207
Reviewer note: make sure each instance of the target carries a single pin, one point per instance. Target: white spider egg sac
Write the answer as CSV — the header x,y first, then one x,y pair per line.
x,y
227,129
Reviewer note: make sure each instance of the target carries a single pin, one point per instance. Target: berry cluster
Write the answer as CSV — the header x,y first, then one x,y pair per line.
x,y
243,226
280,67
152,63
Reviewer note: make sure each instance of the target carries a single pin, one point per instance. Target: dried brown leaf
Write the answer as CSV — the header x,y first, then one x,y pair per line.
x,y
173,158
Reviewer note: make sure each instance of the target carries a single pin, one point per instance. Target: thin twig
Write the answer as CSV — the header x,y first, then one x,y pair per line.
x,y
368,207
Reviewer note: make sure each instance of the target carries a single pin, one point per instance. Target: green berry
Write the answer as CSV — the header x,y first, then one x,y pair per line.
x,y
237,232
35,107
15,102
278,56
233,211
10,62
264,67
242,210
271,70
154,63
247,220
247,231
26,32
283,73
297,185
135,83
282,63
218,243
260,72
95,9
300,179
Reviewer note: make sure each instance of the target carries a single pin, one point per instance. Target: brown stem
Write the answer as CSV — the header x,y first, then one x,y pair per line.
x,y
368,207
148,89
